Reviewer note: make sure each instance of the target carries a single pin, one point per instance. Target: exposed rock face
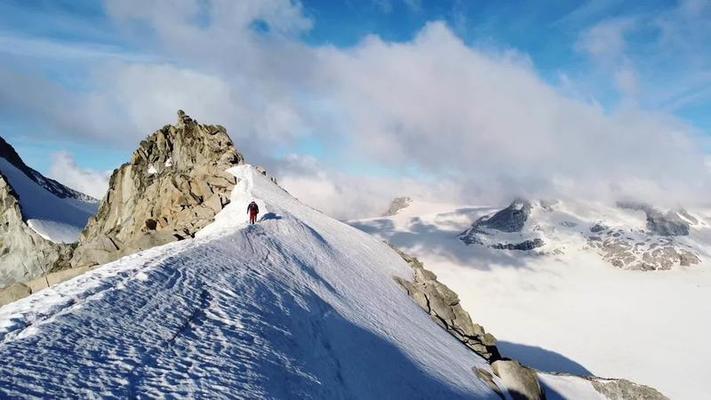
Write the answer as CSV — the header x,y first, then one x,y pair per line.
x,y
173,186
443,305
396,205
634,250
510,219
24,254
521,382
622,389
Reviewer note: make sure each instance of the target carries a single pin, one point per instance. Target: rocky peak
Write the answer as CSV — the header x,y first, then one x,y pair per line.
x,y
510,219
174,185
397,204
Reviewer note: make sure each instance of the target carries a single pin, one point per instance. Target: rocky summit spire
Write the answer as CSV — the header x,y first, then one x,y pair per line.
x,y
174,185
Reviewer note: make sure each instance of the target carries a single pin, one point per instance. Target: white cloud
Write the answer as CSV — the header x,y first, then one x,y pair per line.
x,y
65,170
606,41
484,121
346,196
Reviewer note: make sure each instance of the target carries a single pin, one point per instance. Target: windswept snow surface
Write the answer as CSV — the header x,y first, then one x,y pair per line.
x,y
57,219
571,311
297,306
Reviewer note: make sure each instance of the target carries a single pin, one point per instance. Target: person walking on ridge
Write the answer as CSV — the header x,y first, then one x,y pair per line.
x,y
252,210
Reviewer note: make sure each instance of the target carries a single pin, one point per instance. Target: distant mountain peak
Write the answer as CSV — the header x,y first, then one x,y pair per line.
x,y
398,204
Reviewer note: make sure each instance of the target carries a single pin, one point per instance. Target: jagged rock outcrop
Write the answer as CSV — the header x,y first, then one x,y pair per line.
x,y
442,304
608,388
35,212
397,204
622,389
24,254
510,219
174,185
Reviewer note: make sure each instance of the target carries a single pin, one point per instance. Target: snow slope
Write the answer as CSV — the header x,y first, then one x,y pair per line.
x,y
57,219
569,311
297,306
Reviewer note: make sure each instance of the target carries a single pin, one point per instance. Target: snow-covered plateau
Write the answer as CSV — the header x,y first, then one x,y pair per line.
x,y
579,300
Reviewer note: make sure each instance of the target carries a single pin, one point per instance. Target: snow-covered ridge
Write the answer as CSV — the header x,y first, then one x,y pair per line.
x,y
297,306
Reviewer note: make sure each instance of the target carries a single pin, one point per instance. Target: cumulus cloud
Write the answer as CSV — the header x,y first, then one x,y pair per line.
x,y
65,170
481,121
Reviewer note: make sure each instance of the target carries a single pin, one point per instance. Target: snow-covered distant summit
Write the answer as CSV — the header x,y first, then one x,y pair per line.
x,y
628,235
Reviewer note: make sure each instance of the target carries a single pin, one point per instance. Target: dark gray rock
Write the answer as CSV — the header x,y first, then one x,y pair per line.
x,y
510,219
667,224
597,228
523,246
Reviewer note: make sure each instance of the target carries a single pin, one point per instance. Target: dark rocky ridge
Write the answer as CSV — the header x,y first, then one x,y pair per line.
x,y
510,219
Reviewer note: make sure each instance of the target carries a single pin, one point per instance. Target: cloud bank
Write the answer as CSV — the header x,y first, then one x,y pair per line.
x,y
65,169
436,112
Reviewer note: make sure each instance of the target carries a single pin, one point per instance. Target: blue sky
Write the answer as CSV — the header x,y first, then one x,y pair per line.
x,y
72,66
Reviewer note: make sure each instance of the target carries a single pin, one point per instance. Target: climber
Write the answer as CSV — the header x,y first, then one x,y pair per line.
x,y
252,210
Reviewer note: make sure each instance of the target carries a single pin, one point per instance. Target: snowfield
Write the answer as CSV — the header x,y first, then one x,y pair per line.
x,y
569,311
297,306
60,220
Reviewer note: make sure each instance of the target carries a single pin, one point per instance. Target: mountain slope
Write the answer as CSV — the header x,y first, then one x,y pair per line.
x,y
299,306
563,306
38,218
54,211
